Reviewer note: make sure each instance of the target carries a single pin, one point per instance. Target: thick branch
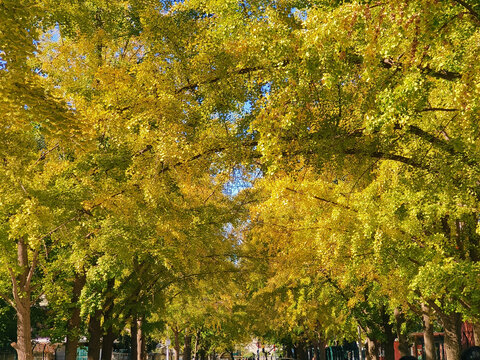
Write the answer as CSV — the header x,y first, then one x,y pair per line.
x,y
437,308
441,144
32,268
195,157
322,199
439,109
386,63
386,156
7,299
16,294
144,150
465,304
246,70
439,74
469,8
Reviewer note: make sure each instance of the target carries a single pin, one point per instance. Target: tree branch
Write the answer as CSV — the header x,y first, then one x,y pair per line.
x,y
32,267
246,70
437,308
469,8
321,199
440,74
195,157
7,299
44,154
441,144
13,278
386,156
438,109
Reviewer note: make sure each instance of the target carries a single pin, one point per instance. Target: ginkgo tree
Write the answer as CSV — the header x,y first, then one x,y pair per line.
x,y
369,87
78,148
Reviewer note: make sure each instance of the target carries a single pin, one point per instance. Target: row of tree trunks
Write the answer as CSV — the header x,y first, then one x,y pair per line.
x,y
138,349
196,347
319,348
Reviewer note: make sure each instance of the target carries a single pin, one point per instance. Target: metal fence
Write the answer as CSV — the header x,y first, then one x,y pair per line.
x,y
119,356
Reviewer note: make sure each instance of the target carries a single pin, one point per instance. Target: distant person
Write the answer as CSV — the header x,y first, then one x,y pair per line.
x,y
472,353
408,357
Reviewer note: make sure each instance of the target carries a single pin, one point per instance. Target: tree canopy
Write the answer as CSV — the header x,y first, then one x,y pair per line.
x,y
296,170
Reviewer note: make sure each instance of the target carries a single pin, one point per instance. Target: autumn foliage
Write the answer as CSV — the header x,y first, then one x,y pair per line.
x,y
299,171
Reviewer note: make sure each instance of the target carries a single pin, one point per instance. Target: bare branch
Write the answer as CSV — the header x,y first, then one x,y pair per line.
x,y
44,154
439,109
60,226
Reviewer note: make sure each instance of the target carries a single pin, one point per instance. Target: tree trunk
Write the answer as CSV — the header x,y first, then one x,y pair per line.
x,y
291,353
22,301
108,335
452,325
95,335
372,349
195,351
133,338
187,347
321,348
389,346
176,343
23,346
141,344
315,350
73,324
301,352
107,344
476,333
428,336
403,345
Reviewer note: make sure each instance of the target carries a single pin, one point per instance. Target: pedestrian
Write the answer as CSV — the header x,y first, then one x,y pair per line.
x,y
408,357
